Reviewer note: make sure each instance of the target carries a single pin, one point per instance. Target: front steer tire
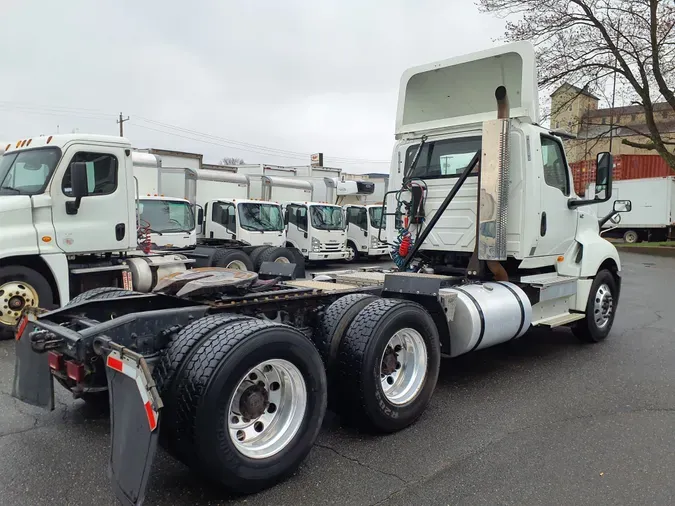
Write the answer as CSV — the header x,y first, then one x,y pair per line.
x,y
589,330
206,387
15,275
360,394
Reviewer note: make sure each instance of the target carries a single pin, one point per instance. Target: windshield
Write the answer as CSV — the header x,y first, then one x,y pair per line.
x,y
327,217
167,215
443,158
260,217
375,214
27,172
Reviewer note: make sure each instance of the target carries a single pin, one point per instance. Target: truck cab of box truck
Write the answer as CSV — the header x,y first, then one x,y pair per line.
x,y
518,203
48,216
316,229
253,222
168,222
363,230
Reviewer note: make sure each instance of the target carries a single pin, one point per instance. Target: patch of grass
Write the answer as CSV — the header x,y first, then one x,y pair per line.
x,y
665,244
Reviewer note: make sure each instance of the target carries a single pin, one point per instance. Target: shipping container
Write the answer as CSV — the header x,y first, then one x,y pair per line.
x,y
625,167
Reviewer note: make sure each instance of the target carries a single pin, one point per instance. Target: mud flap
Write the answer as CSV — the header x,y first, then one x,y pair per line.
x,y
33,381
134,427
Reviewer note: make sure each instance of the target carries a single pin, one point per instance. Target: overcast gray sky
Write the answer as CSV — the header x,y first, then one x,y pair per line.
x,y
295,76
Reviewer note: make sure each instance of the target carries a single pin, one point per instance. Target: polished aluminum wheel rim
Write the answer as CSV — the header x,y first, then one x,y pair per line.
x,y
267,409
14,297
603,306
237,265
403,366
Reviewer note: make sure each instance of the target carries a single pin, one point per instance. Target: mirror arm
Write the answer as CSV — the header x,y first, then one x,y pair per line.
x,y
605,219
73,206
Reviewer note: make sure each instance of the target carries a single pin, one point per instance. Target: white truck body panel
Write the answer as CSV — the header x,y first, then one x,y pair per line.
x,y
652,199
460,91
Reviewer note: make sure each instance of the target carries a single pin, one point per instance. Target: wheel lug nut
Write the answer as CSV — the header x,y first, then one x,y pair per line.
x,y
398,365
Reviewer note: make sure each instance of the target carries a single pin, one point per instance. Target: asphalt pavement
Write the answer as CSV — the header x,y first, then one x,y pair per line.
x,y
543,420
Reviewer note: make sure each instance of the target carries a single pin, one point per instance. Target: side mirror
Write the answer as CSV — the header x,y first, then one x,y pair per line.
x,y
623,206
603,176
79,186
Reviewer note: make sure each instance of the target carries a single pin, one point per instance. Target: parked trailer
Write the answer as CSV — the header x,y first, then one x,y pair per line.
x,y
242,368
652,217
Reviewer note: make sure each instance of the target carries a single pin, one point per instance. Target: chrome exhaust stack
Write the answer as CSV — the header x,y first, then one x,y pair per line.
x,y
494,187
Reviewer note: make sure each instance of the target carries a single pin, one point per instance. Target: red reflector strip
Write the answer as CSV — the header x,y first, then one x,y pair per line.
x,y
75,371
116,364
55,360
152,419
21,327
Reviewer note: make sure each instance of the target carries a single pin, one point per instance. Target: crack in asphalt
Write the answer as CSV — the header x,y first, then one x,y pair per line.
x,y
476,452
21,431
358,462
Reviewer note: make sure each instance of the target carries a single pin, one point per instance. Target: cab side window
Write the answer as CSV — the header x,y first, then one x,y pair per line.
x,y
102,169
292,217
555,167
354,216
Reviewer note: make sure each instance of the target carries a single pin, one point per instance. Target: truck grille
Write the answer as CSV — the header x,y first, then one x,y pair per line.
x,y
328,248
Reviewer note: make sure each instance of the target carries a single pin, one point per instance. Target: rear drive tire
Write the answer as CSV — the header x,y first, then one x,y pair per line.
x,y
21,287
631,237
255,254
106,292
231,376
280,255
232,259
332,328
388,365
600,309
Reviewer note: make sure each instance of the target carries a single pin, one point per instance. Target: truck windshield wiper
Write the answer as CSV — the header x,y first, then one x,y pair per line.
x,y
10,188
156,232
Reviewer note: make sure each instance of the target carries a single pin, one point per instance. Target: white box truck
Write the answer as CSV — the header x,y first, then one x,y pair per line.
x,y
652,217
316,229
364,238
208,208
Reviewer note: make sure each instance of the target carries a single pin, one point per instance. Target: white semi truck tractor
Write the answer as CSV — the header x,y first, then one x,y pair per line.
x,y
232,374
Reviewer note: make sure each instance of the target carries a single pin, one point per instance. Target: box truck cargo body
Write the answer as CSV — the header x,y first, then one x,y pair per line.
x,y
652,217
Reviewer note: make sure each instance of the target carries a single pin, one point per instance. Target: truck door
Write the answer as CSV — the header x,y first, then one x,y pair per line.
x,y
222,221
357,227
557,223
102,222
297,226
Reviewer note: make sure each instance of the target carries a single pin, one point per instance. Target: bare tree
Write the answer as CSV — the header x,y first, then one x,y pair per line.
x,y
228,160
589,42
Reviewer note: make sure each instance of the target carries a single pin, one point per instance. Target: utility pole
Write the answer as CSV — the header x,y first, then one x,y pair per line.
x,y
120,122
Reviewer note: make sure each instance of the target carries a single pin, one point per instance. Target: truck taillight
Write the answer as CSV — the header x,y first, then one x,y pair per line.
x,y
75,371
55,360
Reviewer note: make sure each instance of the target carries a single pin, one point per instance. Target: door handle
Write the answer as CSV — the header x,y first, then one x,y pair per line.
x,y
542,225
120,231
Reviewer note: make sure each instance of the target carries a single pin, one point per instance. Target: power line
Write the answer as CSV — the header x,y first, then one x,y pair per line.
x,y
191,134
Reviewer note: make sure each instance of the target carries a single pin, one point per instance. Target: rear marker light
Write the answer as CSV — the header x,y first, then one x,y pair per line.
x,y
55,360
75,371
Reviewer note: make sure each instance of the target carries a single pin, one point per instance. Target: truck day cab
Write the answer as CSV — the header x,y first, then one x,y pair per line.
x,y
317,230
363,232
496,243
